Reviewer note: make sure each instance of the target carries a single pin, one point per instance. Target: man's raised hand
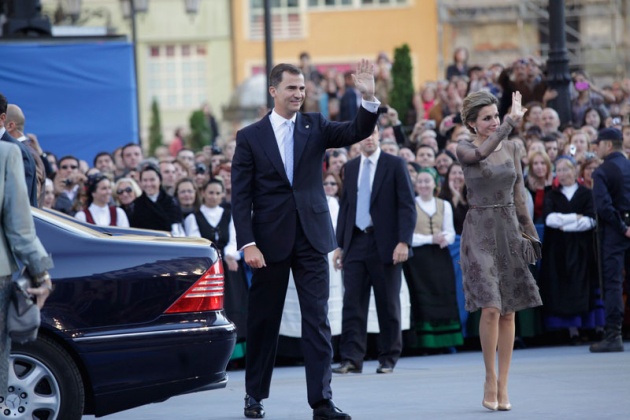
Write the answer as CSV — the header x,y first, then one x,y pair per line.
x,y
364,79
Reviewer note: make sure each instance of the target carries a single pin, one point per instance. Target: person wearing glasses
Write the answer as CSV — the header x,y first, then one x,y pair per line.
x,y
332,188
126,191
68,180
98,211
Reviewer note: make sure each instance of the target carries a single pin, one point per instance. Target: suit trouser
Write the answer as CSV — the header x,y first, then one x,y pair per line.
x,y
265,304
614,247
363,269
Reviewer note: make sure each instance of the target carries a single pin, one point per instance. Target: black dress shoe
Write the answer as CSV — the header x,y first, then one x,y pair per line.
x,y
326,410
253,408
385,368
347,367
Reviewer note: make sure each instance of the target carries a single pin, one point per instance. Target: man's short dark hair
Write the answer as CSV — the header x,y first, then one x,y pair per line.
x,y
552,136
3,104
122,152
275,77
68,157
98,155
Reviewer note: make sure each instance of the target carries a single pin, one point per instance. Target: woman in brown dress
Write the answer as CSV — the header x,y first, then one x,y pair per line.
x,y
494,254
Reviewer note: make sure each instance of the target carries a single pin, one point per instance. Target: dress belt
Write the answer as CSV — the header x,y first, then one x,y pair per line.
x,y
491,206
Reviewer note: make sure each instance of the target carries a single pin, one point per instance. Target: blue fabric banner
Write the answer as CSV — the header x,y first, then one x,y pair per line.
x,y
78,98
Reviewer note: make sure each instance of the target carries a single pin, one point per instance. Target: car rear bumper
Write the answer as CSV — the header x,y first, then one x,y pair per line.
x,y
156,364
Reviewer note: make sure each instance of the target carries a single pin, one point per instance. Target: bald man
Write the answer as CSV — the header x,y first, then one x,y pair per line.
x,y
550,121
27,158
14,125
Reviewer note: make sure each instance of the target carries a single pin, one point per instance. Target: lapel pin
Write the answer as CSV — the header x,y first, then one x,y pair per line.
x,y
307,126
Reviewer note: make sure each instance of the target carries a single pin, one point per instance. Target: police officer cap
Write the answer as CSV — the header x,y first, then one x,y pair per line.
x,y
610,134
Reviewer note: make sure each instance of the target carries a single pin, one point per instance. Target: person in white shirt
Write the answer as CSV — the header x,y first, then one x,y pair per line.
x,y
214,223
429,272
99,212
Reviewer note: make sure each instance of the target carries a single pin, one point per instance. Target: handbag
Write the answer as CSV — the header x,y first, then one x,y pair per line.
x,y
536,246
23,316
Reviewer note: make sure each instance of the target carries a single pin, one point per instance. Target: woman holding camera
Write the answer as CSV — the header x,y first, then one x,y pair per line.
x,y
494,254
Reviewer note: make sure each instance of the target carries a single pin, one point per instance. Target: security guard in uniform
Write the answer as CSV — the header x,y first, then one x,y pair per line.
x,y
611,190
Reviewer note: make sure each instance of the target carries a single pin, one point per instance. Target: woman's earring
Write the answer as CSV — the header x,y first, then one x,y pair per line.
x,y
475,130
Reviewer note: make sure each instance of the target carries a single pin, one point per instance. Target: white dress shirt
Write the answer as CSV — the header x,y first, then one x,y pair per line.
x,y
213,216
430,207
374,159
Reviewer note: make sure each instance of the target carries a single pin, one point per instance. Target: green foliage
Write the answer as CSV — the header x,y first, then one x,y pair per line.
x,y
402,92
155,128
200,132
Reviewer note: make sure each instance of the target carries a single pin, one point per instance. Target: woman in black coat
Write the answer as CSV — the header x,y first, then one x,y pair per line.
x,y
568,277
155,209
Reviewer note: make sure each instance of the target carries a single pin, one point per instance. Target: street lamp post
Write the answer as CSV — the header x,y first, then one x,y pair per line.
x,y
558,77
130,9
268,48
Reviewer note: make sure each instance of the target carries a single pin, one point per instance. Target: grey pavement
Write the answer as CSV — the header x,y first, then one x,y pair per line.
x,y
545,383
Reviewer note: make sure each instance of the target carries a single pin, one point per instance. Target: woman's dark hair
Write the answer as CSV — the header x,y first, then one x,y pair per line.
x,y
337,180
447,153
445,191
197,202
214,181
92,184
150,167
602,118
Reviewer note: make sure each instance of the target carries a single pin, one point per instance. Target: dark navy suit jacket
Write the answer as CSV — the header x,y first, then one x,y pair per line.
x,y
392,205
265,206
30,169
611,190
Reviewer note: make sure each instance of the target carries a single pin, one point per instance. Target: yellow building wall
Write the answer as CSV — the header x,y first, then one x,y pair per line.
x,y
345,36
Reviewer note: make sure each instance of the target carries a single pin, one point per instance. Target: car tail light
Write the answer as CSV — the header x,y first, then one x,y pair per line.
x,y
205,295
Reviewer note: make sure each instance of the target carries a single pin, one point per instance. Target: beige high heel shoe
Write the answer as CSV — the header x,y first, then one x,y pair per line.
x,y
503,406
490,405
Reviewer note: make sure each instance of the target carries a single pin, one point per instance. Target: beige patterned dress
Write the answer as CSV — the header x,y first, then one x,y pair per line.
x,y
494,255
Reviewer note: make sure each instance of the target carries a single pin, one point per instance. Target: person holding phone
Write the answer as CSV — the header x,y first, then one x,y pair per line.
x,y
588,96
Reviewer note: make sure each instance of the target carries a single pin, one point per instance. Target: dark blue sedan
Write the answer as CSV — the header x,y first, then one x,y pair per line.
x,y
133,320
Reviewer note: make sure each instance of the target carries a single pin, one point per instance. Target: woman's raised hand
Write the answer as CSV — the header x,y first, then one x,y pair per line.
x,y
517,109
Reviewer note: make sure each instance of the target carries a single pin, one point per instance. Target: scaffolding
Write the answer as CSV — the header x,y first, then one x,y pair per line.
x,y
597,31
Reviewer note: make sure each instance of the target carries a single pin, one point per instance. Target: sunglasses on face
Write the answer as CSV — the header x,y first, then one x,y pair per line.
x,y
127,190
69,167
330,183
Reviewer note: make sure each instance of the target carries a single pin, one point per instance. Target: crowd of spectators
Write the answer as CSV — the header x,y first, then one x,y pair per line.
x,y
168,191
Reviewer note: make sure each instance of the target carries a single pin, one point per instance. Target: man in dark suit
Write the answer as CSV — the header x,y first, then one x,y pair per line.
x,y
282,222
377,217
611,193
30,171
